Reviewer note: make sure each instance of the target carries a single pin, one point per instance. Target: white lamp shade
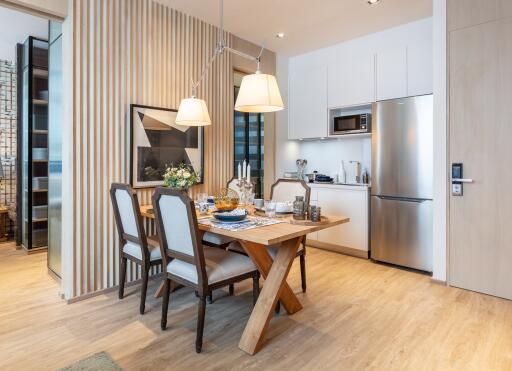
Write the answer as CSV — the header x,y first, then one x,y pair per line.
x,y
259,93
193,112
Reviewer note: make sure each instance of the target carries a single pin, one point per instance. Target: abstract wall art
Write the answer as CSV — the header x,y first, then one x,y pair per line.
x,y
157,143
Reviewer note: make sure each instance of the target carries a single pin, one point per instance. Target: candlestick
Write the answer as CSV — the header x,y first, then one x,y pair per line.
x,y
244,169
239,173
249,172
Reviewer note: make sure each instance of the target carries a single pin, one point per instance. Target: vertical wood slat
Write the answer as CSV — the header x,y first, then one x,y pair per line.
x,y
139,52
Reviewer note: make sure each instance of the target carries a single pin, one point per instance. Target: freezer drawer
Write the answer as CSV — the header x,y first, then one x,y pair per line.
x,y
401,232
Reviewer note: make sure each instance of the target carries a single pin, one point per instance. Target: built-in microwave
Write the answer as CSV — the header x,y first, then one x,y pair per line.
x,y
342,123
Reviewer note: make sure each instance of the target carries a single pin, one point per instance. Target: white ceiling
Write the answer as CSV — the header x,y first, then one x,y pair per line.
x,y
15,27
307,24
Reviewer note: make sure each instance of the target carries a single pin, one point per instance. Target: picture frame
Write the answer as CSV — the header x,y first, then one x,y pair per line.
x,y
156,142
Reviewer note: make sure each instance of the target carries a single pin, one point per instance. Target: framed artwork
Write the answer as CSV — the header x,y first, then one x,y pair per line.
x,y
157,143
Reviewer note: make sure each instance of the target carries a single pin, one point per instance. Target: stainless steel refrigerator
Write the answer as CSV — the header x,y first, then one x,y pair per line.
x,y
401,191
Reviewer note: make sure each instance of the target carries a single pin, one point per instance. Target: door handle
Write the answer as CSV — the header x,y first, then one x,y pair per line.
x,y
462,180
458,180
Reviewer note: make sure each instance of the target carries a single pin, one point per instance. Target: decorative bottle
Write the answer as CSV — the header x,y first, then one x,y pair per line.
x,y
298,208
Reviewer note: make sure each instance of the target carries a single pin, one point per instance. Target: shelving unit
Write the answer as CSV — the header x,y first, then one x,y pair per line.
x,y
33,144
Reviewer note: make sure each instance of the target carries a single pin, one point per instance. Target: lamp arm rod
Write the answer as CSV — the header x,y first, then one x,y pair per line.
x,y
218,51
242,54
195,85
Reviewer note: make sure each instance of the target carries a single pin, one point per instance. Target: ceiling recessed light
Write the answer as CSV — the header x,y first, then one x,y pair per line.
x,y
280,35
373,2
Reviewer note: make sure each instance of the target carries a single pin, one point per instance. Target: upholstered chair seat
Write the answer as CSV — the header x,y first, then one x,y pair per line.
x,y
214,239
135,250
220,265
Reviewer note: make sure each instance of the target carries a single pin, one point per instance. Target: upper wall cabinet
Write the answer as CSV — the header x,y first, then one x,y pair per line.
x,y
419,68
307,103
392,73
351,81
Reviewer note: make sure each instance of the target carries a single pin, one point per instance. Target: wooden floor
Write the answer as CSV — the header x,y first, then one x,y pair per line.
x,y
357,315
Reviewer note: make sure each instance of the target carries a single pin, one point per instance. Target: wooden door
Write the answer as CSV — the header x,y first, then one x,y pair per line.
x,y
480,131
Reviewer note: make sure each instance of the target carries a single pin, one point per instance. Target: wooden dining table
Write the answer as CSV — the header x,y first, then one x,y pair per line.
x,y
255,241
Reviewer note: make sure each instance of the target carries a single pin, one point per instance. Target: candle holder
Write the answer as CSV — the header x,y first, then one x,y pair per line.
x,y
246,191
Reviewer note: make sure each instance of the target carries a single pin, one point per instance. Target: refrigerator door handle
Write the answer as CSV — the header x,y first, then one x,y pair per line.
x,y
405,199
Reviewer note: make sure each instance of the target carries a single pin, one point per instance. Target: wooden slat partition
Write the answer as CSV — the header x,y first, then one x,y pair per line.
x,y
124,52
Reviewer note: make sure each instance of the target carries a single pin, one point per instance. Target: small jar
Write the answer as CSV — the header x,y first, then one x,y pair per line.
x,y
315,213
299,212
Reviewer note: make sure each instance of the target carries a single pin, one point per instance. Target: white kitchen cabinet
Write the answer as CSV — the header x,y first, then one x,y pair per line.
x,y
392,73
308,103
419,68
350,201
351,81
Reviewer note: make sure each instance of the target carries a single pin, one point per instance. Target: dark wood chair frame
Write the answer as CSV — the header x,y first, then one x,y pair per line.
x,y
141,240
302,252
203,287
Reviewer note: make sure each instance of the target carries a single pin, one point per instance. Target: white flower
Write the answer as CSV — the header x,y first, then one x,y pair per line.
x,y
180,172
183,183
186,175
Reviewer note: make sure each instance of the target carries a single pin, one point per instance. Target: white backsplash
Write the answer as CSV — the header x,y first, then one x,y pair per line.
x,y
325,155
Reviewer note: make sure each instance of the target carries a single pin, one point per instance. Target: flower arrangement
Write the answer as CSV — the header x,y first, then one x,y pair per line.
x,y
182,176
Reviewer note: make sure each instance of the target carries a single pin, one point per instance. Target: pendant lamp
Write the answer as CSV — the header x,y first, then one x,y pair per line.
x,y
258,92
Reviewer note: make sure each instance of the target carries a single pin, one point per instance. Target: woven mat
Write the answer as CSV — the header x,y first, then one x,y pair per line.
x,y
97,362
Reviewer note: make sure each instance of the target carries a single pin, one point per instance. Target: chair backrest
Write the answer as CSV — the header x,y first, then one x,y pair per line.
x,y
233,184
128,217
285,190
176,222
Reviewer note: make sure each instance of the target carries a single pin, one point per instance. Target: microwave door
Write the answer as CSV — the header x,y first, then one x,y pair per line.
x,y
346,124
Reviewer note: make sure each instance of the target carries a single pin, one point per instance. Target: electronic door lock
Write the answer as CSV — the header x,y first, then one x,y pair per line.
x,y
458,180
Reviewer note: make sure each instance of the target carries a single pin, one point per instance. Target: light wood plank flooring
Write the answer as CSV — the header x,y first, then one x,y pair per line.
x,y
357,315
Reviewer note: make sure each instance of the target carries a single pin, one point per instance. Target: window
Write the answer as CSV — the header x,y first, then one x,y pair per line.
x,y
248,141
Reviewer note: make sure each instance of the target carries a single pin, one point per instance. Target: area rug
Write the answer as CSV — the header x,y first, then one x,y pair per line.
x,y
96,362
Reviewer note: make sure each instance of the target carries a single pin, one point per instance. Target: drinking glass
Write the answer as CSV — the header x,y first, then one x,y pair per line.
x,y
202,198
270,209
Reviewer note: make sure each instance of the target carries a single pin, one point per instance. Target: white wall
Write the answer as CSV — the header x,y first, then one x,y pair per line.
x,y
440,143
325,156
15,27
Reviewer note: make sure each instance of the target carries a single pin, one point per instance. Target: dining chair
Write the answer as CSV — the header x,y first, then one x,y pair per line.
x,y
285,190
186,261
134,244
233,185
